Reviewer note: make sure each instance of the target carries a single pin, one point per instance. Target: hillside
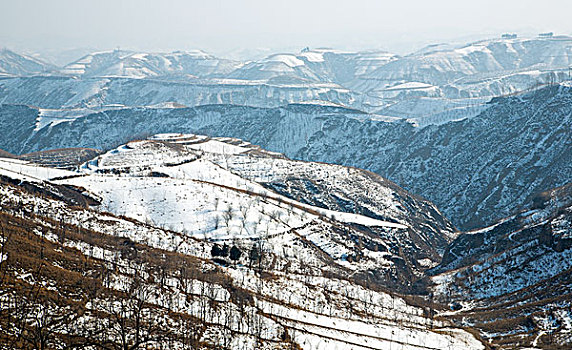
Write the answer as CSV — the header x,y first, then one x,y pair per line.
x,y
98,93
402,235
265,226
14,64
4,154
489,67
270,273
68,158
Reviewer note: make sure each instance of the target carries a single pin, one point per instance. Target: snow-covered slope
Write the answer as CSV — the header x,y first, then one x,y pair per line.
x,y
222,189
13,64
66,92
251,302
485,62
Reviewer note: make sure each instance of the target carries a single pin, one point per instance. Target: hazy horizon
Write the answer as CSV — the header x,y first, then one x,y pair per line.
x,y
64,29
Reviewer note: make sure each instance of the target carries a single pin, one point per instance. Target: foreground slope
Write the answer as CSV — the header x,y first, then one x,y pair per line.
x,y
255,282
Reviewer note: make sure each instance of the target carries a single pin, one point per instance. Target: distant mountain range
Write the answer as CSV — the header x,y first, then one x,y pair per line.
x,y
431,86
191,64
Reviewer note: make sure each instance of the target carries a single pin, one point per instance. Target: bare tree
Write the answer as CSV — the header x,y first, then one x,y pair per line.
x,y
131,322
227,216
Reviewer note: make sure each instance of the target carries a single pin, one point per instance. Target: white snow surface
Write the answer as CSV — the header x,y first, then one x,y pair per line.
x,y
196,194
313,56
287,59
27,171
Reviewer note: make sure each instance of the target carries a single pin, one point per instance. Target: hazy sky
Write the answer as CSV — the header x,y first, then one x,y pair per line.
x,y
220,26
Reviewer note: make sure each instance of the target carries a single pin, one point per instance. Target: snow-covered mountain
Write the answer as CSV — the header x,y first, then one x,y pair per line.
x,y
278,67
198,235
13,64
444,82
431,86
121,225
314,65
477,68
196,78
476,170
127,64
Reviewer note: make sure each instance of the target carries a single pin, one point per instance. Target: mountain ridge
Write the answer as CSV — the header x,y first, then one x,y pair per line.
x,y
426,161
